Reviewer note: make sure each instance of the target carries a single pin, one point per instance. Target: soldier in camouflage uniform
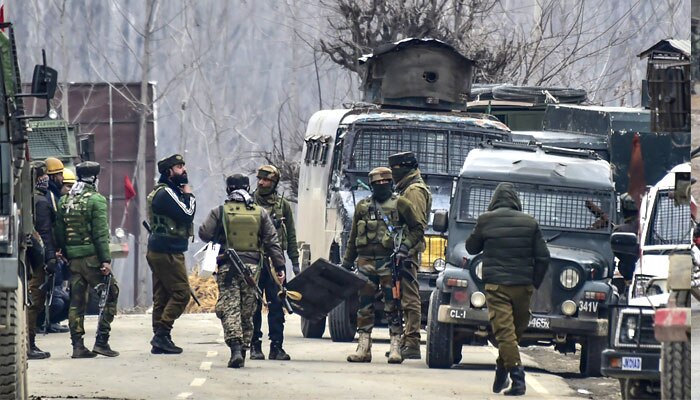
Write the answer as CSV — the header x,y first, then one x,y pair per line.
x,y
82,232
171,208
377,221
280,211
410,185
247,228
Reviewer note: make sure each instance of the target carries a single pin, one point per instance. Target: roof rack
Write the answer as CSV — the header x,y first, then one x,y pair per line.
x,y
537,146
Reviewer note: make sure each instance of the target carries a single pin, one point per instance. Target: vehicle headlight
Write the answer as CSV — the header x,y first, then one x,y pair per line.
x,y
629,329
439,265
478,299
569,277
479,270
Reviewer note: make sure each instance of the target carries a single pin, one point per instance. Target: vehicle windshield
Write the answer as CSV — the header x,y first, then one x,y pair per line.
x,y
557,208
670,224
440,150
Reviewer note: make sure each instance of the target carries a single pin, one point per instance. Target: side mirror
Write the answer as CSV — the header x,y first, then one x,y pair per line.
x,y
440,221
44,82
624,243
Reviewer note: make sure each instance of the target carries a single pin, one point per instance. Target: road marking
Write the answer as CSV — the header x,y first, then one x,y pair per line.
x,y
205,365
211,353
198,381
535,384
184,395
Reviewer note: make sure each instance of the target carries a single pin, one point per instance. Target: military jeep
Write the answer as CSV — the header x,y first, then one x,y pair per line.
x,y
571,194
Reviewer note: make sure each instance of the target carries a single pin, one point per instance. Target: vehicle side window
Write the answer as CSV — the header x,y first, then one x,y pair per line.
x,y
669,224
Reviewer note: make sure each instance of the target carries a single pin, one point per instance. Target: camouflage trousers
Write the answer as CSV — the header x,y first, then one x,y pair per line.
x,y
378,272
85,273
235,306
38,298
509,314
171,288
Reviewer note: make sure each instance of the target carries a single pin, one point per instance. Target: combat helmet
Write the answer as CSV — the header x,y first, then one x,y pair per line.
x,y
53,165
269,172
87,169
379,174
69,177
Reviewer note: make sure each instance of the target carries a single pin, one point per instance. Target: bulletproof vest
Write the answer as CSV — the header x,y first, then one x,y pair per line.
x,y
242,226
371,228
162,224
277,215
76,218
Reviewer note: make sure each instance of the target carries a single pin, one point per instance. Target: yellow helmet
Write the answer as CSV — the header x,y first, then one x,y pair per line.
x,y
53,165
68,176
269,172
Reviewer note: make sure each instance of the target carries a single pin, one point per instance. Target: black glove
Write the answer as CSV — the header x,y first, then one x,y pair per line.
x,y
349,266
295,269
50,266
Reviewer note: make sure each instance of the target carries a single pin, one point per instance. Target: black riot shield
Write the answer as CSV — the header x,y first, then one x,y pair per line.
x,y
323,286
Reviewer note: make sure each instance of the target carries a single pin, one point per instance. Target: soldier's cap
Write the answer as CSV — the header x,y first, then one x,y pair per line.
x,y
53,166
237,181
164,164
407,158
269,172
379,174
87,169
39,168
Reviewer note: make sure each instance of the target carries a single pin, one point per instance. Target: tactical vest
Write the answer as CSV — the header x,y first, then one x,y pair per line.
x,y
162,224
241,226
76,218
371,228
276,213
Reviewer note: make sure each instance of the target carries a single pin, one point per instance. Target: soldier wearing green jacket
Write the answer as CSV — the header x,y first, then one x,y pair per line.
x,y
82,232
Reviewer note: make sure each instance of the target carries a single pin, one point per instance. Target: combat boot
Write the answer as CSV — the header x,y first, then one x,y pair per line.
x,y
364,349
256,351
410,353
501,380
172,344
517,375
278,353
161,344
79,349
395,350
35,353
102,346
237,359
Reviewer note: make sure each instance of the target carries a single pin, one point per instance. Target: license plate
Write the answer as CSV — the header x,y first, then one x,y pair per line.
x,y
632,363
590,307
457,313
538,323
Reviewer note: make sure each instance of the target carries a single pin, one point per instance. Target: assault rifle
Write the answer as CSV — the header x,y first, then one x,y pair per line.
x,y
47,287
238,267
396,271
103,289
283,294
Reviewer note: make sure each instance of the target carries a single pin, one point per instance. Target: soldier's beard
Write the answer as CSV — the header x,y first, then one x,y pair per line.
x,y
266,191
179,180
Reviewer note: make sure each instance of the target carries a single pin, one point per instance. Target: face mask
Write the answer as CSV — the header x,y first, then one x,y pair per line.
x,y
42,183
399,172
179,180
382,192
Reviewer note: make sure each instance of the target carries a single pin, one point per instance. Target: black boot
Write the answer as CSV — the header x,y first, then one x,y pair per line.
x,y
277,352
102,346
35,353
256,351
501,380
517,375
79,349
174,346
58,328
162,345
237,359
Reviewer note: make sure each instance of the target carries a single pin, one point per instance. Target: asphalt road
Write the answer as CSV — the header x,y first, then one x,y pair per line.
x,y
318,369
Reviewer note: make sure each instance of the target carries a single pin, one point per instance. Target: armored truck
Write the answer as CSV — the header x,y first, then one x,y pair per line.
x,y
16,210
572,196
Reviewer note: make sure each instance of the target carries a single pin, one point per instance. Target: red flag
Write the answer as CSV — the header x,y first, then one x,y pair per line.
x,y
637,184
129,191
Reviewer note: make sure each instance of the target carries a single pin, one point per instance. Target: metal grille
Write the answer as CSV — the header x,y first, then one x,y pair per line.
x,y
642,336
49,142
434,249
438,151
670,224
551,207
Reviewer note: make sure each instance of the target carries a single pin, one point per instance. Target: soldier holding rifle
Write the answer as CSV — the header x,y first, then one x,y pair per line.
x,y
245,227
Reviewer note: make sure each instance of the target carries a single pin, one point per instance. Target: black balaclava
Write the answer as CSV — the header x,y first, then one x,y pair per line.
x,y
381,192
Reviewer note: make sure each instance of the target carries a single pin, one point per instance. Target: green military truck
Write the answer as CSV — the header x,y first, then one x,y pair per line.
x,y
15,210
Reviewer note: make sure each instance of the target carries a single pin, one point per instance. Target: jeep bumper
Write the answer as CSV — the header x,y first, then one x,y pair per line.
x,y
630,364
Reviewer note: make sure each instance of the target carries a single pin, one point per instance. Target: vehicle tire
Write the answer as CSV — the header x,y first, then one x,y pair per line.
x,y
440,339
635,389
311,329
675,370
591,355
341,323
13,361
